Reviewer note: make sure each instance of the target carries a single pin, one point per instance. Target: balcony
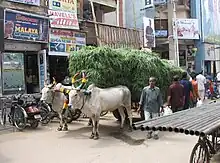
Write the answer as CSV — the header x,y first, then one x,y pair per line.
x,y
112,36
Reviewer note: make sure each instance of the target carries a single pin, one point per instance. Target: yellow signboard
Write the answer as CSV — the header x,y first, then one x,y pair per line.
x,y
63,5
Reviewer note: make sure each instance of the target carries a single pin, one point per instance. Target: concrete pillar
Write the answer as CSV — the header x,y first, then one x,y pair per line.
x,y
170,32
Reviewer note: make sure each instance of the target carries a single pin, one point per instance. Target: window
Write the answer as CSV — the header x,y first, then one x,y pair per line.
x,y
148,2
161,27
180,2
161,24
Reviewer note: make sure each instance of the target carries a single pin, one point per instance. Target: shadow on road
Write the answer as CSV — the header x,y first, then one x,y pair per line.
x,y
106,134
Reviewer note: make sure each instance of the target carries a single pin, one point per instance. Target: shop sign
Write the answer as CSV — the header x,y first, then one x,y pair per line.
x,y
188,29
66,20
63,42
29,2
161,33
63,5
23,26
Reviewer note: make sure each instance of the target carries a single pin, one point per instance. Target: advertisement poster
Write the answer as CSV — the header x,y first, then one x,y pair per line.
x,y
211,21
149,33
42,62
66,20
65,41
28,2
23,26
63,5
187,29
13,71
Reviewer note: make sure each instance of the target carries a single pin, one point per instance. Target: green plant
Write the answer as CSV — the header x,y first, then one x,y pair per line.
x,y
110,67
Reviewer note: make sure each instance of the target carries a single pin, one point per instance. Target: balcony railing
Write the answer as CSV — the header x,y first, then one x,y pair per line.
x,y
112,36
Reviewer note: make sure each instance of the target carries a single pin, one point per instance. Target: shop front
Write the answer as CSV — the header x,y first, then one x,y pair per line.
x,y
62,44
26,35
212,59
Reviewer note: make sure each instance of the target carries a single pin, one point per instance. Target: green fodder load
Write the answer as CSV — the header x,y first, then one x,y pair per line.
x,y
133,68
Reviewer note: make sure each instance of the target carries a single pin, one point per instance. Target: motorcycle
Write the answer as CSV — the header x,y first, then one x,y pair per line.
x,y
23,113
48,114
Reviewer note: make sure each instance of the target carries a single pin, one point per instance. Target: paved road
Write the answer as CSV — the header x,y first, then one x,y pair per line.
x,y
46,145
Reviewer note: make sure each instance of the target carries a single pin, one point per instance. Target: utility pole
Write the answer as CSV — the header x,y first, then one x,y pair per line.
x,y
173,36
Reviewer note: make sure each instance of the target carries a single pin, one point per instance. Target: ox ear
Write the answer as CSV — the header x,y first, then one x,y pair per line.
x,y
45,83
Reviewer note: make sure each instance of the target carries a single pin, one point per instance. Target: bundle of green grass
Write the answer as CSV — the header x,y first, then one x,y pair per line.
x,y
133,68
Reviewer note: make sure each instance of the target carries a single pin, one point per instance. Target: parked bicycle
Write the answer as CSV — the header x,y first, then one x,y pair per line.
x,y
24,112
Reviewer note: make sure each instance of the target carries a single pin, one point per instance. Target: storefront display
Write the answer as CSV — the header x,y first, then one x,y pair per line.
x,y
13,71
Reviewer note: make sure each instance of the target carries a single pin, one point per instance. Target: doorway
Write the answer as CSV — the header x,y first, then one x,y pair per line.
x,y
58,67
31,72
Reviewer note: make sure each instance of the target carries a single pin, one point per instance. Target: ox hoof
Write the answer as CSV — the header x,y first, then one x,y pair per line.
x,y
92,136
121,129
59,129
130,129
89,124
96,137
65,128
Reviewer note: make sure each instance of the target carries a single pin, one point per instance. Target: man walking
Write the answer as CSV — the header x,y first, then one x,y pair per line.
x,y
187,89
176,96
150,103
201,80
194,95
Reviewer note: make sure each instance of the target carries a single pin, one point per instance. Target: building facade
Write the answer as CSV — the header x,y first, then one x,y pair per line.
x,y
208,54
162,13
25,35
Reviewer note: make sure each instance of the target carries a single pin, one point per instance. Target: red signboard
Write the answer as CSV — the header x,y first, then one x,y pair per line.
x,y
66,20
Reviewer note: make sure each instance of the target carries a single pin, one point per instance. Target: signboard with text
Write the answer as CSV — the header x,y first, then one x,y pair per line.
x,y
63,42
188,29
23,26
63,5
66,20
28,2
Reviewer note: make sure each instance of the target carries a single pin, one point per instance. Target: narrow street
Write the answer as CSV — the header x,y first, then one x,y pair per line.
x,y
46,145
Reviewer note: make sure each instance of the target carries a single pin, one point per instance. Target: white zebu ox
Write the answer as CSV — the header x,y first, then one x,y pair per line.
x,y
99,100
56,99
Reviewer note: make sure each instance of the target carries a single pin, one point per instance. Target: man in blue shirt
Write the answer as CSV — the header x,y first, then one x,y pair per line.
x,y
187,88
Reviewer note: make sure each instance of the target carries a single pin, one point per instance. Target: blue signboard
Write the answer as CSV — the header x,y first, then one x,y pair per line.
x,y
23,26
161,33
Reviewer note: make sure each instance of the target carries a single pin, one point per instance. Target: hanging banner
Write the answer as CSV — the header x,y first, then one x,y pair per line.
x,y
29,2
23,26
66,20
149,32
63,42
188,29
63,5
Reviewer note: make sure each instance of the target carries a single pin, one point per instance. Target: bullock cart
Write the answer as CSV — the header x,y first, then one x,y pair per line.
x,y
203,122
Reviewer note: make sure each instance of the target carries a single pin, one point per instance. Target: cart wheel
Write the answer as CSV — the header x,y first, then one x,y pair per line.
x,y
200,154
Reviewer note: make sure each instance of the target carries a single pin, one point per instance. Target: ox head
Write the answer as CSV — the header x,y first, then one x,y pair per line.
x,y
77,98
48,92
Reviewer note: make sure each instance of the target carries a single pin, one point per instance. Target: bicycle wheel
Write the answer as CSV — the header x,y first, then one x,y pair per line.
x,y
45,113
203,152
19,118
